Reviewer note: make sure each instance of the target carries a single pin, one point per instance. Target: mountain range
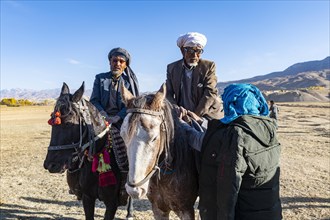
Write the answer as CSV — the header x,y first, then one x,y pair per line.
x,y
35,95
298,76
305,81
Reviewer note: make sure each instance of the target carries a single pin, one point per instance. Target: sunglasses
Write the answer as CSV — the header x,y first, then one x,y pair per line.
x,y
115,60
190,50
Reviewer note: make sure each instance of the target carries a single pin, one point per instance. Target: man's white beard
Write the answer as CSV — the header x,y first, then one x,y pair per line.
x,y
193,64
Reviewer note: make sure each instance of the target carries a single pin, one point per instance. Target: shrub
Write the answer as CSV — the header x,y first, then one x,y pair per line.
x,y
11,102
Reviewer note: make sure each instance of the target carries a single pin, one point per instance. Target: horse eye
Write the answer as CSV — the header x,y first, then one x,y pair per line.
x,y
153,139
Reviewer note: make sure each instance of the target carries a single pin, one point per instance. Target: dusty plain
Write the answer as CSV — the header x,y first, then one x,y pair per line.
x,y
28,191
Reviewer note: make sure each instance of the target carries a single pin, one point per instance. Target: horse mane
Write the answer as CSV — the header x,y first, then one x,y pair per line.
x,y
70,114
64,105
144,102
178,154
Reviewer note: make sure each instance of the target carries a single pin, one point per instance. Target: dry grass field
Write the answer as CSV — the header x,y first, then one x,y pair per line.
x,y
30,192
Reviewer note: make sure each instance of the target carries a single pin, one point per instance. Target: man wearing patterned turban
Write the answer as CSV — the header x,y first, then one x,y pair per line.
x,y
106,95
191,81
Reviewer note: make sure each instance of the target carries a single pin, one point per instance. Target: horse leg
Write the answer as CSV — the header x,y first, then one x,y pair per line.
x,y
130,209
186,214
161,215
159,207
109,196
110,209
89,206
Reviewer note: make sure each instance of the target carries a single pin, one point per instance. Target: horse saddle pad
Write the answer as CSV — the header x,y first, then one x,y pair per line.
x,y
119,149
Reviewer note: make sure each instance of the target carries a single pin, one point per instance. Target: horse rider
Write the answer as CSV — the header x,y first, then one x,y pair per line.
x,y
106,95
191,81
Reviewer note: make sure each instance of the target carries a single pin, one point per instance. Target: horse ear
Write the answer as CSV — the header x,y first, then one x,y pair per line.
x,y
79,93
126,95
158,100
65,89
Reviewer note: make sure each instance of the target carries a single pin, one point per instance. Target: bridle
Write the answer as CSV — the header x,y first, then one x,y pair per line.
x,y
84,121
163,128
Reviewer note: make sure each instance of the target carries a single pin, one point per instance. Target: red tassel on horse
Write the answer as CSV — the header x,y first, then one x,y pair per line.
x,y
106,156
107,178
95,163
50,121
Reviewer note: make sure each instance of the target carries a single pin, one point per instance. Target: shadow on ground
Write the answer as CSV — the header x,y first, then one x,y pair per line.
x,y
306,202
14,211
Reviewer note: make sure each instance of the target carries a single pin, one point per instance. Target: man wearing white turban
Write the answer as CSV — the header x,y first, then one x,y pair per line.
x,y
192,39
191,81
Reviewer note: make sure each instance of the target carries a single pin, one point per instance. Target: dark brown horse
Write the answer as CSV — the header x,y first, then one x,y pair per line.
x,y
78,133
161,164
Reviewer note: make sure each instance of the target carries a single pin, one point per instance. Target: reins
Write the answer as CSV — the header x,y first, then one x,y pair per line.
x,y
163,128
145,111
145,179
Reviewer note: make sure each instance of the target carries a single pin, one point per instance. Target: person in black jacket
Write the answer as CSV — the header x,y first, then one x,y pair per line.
x,y
239,176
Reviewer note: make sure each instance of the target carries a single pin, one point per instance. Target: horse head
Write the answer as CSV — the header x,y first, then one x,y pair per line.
x,y
146,130
74,122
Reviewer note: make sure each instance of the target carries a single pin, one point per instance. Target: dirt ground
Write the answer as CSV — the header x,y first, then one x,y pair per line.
x,y
28,191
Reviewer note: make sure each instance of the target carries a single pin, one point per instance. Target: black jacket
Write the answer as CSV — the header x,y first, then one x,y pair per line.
x,y
239,176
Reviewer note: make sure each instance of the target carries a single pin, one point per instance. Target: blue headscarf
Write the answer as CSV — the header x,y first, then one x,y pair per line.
x,y
242,99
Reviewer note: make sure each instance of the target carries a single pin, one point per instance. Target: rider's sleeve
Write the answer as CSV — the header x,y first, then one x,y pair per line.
x,y
195,138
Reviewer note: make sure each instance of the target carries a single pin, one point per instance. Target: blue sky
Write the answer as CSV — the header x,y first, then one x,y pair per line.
x,y
46,43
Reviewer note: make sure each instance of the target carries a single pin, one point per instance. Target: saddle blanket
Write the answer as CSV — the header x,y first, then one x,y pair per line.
x,y
119,149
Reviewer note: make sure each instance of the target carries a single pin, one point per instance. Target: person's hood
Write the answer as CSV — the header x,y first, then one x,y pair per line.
x,y
262,128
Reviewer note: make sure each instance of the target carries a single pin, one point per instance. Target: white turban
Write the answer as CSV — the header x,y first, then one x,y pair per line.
x,y
191,39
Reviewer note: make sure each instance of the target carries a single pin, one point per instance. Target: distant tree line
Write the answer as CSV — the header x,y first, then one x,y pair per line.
x,y
316,87
12,102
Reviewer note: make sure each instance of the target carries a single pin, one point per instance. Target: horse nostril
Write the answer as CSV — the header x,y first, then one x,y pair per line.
x,y
48,165
52,167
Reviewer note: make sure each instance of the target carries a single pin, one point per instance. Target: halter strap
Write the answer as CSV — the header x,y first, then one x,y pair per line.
x,y
96,137
84,118
151,173
78,144
163,128
144,111
64,147
69,146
